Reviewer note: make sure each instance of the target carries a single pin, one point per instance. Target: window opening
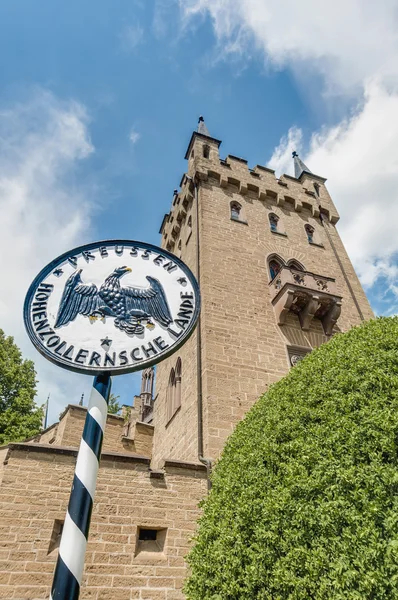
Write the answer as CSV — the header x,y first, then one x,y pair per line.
x,y
146,535
295,265
150,540
206,151
235,211
274,268
55,536
310,233
177,399
273,222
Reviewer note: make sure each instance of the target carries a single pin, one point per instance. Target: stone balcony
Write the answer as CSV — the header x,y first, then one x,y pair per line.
x,y
307,295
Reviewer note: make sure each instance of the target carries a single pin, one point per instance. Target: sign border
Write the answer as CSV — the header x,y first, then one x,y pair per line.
x,y
119,370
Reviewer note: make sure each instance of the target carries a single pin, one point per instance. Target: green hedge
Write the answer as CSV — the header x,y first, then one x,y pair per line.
x,y
304,502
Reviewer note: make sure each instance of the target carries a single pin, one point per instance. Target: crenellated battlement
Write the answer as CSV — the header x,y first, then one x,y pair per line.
x,y
258,183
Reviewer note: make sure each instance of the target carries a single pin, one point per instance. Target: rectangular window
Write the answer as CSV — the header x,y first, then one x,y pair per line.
x,y
150,540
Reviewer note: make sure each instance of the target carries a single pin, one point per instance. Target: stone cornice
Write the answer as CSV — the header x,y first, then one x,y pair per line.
x,y
181,464
72,451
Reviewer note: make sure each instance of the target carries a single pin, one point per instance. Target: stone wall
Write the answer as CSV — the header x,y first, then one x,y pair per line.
x,y
69,430
33,500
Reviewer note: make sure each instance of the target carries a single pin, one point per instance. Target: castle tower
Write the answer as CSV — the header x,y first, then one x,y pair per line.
x,y
275,280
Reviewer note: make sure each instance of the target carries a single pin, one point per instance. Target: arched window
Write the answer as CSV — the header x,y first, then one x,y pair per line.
x,y
310,233
170,395
206,151
273,221
275,265
147,381
173,394
316,187
235,211
294,264
178,374
189,229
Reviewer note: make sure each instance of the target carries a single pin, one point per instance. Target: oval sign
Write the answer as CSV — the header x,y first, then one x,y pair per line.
x,y
115,306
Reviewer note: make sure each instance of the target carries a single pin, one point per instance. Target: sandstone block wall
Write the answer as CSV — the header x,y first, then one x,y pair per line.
x,y
244,350
34,494
69,430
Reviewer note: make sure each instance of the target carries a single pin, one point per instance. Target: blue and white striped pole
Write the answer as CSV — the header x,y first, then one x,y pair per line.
x,y
69,569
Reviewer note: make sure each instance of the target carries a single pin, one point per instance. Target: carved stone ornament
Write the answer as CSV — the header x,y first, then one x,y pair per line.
x,y
295,358
322,284
278,284
116,306
298,278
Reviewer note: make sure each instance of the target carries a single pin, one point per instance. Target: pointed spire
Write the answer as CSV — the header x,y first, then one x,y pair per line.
x,y
299,166
202,127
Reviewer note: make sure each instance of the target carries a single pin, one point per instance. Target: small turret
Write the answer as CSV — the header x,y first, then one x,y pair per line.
x,y
202,144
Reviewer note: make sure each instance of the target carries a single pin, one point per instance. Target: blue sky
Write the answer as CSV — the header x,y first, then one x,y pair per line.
x,y
98,101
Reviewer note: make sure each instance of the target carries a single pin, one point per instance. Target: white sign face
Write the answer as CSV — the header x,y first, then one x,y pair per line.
x,y
114,306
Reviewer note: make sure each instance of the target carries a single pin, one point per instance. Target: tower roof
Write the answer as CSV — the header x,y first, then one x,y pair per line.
x,y
299,166
202,127
201,132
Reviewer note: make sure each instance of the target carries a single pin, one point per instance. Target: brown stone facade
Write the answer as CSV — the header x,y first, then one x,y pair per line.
x,y
245,340
255,324
34,493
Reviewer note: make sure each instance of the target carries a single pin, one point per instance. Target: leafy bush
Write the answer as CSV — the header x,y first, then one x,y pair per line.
x,y
20,418
304,502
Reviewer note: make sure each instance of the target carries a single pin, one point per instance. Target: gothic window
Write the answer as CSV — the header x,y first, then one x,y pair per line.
x,y
294,264
189,228
170,395
316,186
235,211
275,266
310,233
147,381
206,151
173,394
273,222
178,372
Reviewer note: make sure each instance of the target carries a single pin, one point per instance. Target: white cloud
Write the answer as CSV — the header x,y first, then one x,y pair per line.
x,y
281,160
44,212
134,136
347,42
360,159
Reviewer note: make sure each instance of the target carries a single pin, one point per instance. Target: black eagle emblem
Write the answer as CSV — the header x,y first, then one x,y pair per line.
x,y
132,308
